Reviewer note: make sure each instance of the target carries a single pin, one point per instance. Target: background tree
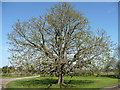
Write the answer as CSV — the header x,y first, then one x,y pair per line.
x,y
110,65
61,40
117,67
0,70
5,69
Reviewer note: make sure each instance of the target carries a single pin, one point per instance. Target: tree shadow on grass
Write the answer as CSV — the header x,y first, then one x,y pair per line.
x,y
72,83
50,82
77,82
38,82
110,76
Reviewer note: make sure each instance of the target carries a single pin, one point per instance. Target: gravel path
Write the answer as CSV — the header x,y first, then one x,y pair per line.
x,y
4,82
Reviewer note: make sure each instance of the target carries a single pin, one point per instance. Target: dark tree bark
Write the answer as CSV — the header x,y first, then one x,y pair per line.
x,y
60,79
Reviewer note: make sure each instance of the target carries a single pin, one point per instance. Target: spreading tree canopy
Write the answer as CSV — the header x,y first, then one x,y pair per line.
x,y
60,41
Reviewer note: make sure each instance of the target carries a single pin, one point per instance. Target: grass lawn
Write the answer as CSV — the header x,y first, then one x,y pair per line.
x,y
7,77
74,82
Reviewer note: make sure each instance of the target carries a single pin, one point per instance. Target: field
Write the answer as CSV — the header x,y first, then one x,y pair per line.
x,y
7,77
74,82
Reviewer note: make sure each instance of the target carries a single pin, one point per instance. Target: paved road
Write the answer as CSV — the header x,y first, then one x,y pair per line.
x,y
3,82
113,87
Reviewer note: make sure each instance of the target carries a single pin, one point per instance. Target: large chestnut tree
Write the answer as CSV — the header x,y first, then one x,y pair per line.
x,y
60,41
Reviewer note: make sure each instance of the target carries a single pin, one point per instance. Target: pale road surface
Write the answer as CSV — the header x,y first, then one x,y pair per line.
x,y
4,82
113,87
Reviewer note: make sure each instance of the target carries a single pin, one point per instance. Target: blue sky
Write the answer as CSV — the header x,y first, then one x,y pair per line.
x,y
101,15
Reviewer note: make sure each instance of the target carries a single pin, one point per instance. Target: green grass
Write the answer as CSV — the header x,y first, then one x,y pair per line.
x,y
7,77
75,82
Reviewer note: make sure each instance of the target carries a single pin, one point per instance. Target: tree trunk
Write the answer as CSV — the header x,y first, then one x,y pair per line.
x,y
60,79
